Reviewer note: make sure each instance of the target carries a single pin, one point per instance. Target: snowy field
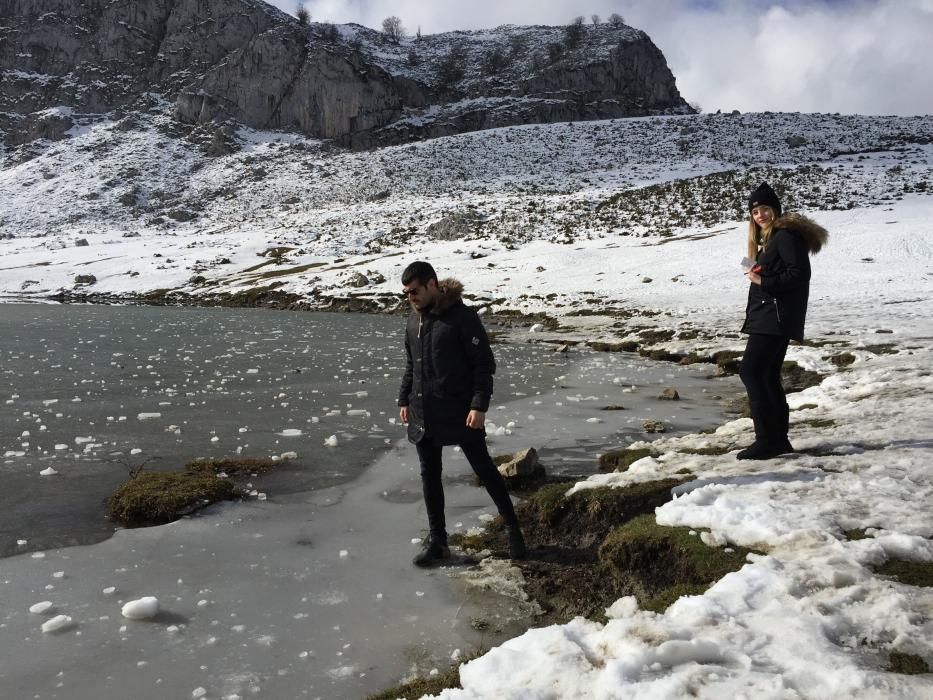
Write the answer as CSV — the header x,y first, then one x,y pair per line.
x,y
810,618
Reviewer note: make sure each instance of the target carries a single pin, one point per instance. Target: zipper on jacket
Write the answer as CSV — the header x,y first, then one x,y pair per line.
x,y
420,321
777,308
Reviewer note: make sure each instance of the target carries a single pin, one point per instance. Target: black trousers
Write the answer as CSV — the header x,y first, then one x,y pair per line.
x,y
475,450
760,372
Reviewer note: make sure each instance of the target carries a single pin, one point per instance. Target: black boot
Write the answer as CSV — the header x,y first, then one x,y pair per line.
x,y
435,550
761,449
517,548
761,439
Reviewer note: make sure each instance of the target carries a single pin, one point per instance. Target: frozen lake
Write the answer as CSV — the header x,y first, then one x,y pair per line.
x,y
91,390
310,593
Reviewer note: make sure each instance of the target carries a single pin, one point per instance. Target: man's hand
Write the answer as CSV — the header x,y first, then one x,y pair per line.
x,y
476,419
403,414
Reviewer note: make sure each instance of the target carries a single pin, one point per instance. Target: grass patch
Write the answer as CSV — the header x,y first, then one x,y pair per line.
x,y
796,378
586,517
232,466
911,573
591,548
290,270
712,450
661,563
154,498
655,336
909,664
857,534
842,359
667,597
620,460
419,687
817,422
728,361
882,348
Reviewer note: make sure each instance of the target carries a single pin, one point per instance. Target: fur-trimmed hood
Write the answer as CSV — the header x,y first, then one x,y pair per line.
x,y
814,235
451,293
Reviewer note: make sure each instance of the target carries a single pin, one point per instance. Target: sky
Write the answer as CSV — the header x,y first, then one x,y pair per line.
x,y
848,56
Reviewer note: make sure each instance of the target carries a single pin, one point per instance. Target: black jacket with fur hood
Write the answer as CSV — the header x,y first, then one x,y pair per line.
x,y
778,306
449,368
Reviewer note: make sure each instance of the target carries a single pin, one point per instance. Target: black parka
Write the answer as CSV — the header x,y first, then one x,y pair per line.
x,y
449,368
778,306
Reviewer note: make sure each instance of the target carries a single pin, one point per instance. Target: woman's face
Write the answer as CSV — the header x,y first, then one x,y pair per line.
x,y
763,216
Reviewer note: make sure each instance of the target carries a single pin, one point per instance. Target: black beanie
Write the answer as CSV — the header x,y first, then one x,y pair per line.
x,y
764,196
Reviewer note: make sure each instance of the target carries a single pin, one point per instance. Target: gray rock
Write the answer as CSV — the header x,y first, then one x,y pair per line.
x,y
85,279
653,426
81,242
358,279
523,463
454,227
669,394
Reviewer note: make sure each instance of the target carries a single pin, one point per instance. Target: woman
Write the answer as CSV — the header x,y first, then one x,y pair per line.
x,y
777,308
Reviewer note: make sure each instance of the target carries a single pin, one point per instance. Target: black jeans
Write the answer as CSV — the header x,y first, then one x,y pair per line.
x,y
761,374
474,449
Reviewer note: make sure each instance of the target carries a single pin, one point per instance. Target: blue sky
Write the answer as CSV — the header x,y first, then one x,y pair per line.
x,y
849,56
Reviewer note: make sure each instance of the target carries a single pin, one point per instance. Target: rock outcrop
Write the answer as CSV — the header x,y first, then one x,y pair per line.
x,y
245,61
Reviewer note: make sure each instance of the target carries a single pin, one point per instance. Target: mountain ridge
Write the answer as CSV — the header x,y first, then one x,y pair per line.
x,y
245,62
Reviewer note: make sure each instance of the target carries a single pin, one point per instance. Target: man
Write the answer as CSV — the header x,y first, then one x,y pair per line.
x,y
444,397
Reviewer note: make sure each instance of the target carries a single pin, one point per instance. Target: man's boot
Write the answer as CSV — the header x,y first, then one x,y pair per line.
x,y
434,550
517,548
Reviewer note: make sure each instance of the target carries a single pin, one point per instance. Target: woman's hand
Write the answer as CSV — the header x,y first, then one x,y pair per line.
x,y
403,414
753,277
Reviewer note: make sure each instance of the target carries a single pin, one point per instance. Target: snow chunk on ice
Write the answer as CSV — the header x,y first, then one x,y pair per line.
x,y
143,609
291,432
148,416
331,441
57,624
41,608
48,471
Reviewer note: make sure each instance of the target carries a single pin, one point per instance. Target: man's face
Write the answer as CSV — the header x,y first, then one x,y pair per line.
x,y
420,296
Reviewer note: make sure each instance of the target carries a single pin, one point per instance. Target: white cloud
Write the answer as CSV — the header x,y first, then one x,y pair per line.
x,y
850,56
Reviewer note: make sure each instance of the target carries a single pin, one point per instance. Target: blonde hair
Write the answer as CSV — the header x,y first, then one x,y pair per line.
x,y
758,237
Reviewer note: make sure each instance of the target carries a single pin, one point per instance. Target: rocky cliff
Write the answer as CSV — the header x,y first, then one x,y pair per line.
x,y
243,60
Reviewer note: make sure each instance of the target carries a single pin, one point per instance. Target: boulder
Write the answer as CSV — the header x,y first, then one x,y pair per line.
x,y
454,227
85,279
81,242
358,279
653,426
523,463
669,394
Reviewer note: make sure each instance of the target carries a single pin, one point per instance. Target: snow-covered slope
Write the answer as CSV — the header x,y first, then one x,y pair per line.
x,y
158,213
